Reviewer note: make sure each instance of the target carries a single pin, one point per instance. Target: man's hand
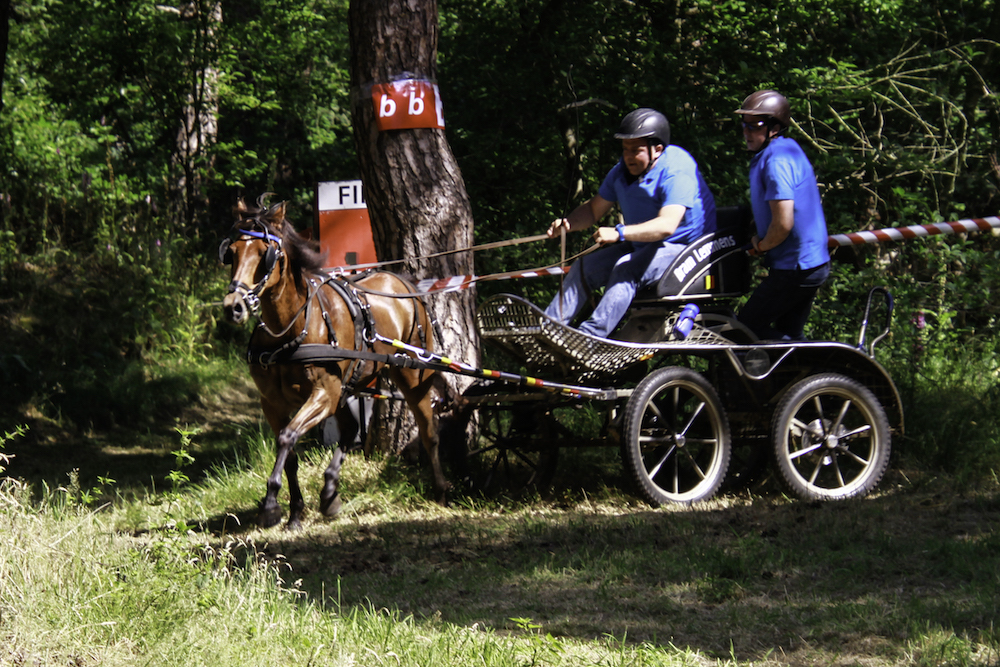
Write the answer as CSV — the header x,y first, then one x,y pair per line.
x,y
606,235
557,225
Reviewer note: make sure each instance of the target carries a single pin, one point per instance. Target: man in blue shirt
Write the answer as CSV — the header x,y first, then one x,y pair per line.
x,y
665,204
791,228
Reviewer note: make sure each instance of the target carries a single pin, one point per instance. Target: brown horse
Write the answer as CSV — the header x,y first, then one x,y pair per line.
x,y
276,277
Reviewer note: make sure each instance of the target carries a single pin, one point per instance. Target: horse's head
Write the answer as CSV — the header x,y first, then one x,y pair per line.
x,y
253,249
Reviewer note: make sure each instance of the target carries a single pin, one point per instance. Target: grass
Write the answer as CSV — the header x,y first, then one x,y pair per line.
x,y
180,576
127,537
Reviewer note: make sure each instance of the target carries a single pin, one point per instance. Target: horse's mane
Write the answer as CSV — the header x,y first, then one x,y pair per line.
x,y
304,254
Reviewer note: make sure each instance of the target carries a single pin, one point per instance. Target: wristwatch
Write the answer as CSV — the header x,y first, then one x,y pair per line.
x,y
621,232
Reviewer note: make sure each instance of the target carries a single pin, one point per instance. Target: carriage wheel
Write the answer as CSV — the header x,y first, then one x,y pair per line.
x,y
831,438
676,446
511,454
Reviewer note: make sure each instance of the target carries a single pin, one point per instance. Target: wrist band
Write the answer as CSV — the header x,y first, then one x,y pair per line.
x,y
621,232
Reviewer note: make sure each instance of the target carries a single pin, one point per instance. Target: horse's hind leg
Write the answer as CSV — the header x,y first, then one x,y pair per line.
x,y
329,496
416,388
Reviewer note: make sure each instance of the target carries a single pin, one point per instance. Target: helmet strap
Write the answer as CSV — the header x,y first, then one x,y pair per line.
x,y
768,124
652,160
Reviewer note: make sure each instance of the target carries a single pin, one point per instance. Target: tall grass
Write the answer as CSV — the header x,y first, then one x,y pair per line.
x,y
79,589
178,577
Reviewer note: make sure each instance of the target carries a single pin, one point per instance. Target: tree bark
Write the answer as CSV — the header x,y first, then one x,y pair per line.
x,y
416,197
198,124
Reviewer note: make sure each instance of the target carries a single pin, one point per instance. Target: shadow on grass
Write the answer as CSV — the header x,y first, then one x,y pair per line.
x,y
794,581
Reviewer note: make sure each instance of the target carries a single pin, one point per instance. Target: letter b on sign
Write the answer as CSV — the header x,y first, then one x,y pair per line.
x,y
407,104
386,107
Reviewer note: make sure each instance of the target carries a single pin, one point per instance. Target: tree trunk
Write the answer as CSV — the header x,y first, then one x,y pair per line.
x,y
416,197
199,121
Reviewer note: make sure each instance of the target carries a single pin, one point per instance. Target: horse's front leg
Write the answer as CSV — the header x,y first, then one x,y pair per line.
x,y
312,412
286,460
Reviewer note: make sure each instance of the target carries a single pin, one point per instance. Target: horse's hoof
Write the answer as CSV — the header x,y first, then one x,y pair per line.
x,y
268,518
330,507
293,525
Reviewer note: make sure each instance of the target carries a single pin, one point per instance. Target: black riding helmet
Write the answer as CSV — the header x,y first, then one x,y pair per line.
x,y
645,123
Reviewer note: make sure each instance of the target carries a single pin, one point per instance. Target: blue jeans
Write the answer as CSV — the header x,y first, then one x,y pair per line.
x,y
624,268
779,307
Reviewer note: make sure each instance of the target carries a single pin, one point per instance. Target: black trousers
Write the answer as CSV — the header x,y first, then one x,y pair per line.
x,y
779,307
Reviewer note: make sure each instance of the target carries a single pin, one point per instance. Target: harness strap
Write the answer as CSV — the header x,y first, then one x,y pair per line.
x,y
361,316
312,353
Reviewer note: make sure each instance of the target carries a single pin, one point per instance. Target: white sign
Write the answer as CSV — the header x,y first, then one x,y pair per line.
x,y
340,195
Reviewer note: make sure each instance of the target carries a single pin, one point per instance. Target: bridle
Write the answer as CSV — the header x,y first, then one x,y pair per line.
x,y
251,295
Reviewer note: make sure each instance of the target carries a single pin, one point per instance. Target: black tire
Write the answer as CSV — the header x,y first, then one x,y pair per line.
x,y
831,438
676,447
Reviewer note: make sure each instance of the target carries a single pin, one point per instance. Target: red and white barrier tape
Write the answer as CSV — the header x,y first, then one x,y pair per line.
x,y
456,283
913,231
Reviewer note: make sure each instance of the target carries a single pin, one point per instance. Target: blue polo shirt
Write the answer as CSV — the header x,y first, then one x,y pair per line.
x,y
674,179
782,171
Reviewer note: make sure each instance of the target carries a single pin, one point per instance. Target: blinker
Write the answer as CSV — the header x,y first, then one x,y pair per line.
x,y
226,252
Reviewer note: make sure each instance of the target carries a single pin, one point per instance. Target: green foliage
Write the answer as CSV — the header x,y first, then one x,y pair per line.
x,y
129,128
103,340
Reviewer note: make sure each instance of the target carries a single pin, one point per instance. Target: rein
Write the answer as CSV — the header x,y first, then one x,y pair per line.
x,y
456,283
483,246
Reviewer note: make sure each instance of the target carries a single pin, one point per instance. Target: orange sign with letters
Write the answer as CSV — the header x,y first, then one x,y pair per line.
x,y
407,104
342,225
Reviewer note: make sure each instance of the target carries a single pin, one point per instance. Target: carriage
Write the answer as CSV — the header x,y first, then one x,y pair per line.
x,y
689,396
694,405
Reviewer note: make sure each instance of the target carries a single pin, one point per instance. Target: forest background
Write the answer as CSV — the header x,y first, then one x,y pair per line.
x,y
132,454
128,130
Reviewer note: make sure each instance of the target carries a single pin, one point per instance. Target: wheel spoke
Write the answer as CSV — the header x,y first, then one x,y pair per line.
x,y
840,417
492,447
856,432
677,475
818,404
836,469
521,457
694,464
694,416
805,450
797,427
864,462
654,470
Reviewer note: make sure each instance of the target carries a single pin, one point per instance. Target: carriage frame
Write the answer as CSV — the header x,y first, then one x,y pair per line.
x,y
692,409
